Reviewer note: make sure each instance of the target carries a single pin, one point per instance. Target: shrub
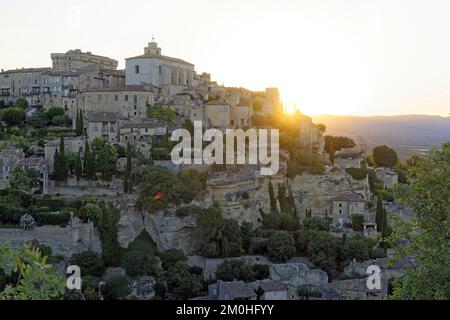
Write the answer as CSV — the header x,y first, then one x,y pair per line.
x,y
90,263
358,222
316,223
138,263
116,288
53,219
357,173
170,257
281,246
45,250
230,270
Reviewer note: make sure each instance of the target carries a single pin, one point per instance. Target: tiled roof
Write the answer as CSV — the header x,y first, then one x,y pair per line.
x,y
30,162
349,196
238,289
269,285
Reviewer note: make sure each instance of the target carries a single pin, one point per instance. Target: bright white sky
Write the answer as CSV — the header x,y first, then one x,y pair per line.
x,y
359,57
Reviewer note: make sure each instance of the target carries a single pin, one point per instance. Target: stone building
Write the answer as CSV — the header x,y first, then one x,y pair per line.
x,y
76,59
103,125
217,114
389,177
310,134
8,160
153,68
345,205
349,157
130,101
139,134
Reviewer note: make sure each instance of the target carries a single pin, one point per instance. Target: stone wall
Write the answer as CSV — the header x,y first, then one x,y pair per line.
x,y
65,241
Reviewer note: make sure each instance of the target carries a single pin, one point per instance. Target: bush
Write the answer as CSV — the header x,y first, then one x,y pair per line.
x,y
116,288
170,257
230,270
316,223
45,250
260,271
90,263
53,219
138,263
358,222
357,173
377,252
280,246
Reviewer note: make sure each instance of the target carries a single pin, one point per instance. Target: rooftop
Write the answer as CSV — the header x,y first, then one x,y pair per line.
x,y
160,57
269,285
349,196
238,289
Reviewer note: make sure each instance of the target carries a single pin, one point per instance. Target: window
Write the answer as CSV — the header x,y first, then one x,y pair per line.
x,y
135,99
126,97
340,205
116,98
136,69
340,212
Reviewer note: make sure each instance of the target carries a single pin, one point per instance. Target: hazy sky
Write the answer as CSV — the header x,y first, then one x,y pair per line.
x,y
360,57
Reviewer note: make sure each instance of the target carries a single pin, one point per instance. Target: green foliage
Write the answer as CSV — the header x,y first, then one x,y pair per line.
x,y
90,263
138,263
54,112
316,223
107,225
281,246
357,173
170,257
116,288
21,103
61,163
79,123
333,144
231,270
29,276
12,116
90,212
306,292
425,239
90,167
225,234
194,180
181,283
383,156
156,180
358,222
161,113
52,218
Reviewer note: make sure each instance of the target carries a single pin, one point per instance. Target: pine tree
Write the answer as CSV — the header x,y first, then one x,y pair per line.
x,y
282,199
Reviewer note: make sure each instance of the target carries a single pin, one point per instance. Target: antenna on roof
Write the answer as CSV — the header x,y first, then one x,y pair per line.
x,y
153,37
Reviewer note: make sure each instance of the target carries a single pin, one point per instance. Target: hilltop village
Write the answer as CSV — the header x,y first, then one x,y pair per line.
x,y
86,176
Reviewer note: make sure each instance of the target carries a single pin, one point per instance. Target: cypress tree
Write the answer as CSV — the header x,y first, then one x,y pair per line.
x,y
78,168
56,166
81,122
273,201
89,162
282,199
379,215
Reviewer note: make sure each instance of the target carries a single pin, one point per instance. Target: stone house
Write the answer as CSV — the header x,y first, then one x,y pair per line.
x,y
389,177
139,134
349,158
347,204
217,114
143,288
103,125
8,160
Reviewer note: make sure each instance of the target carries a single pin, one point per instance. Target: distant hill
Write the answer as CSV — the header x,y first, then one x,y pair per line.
x,y
407,134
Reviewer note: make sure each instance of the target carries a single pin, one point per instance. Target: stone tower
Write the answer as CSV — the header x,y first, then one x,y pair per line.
x,y
152,48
